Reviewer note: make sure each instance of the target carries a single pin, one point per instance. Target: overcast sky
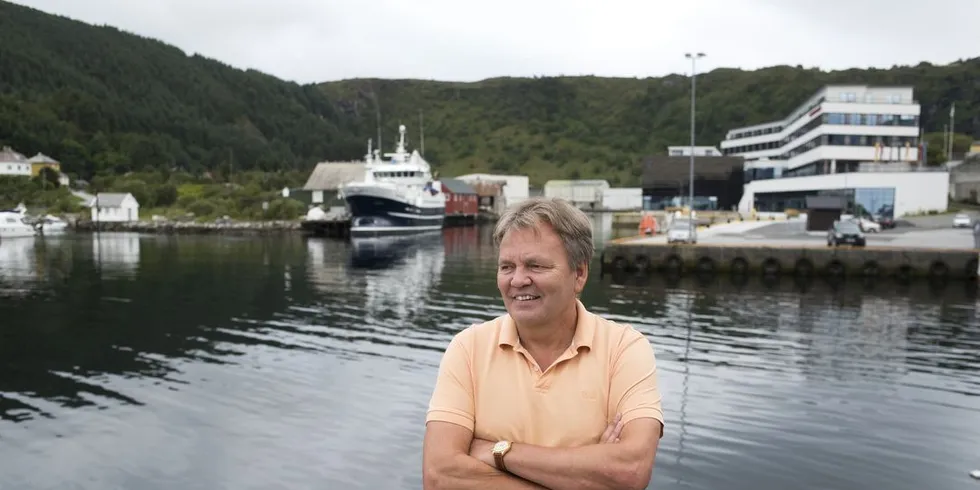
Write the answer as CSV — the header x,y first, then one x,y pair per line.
x,y
321,40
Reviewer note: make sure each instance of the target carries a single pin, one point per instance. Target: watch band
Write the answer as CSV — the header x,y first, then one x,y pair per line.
x,y
498,457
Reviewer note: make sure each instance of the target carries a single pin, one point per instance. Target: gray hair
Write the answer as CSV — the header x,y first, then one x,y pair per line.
x,y
572,225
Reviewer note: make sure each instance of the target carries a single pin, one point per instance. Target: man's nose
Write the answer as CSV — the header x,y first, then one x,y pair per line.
x,y
520,278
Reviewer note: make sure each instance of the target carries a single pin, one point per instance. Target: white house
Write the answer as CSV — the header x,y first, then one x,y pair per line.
x,y
13,163
115,207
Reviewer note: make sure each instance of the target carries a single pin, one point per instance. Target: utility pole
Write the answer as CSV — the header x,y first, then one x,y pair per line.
x,y
693,57
946,140
952,132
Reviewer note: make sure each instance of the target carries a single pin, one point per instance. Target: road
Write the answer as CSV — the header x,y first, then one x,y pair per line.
x,y
917,232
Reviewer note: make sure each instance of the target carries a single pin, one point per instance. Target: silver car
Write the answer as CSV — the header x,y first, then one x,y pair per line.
x,y
962,220
682,231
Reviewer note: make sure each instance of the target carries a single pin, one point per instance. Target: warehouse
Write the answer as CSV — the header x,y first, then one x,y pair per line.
x,y
585,194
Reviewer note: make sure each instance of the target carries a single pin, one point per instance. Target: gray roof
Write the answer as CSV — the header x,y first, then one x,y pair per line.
x,y
328,176
7,154
42,158
110,199
457,186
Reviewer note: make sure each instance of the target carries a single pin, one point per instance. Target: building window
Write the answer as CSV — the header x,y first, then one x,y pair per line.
x,y
874,201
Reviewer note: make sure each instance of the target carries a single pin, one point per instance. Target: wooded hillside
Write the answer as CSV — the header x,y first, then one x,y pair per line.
x,y
105,102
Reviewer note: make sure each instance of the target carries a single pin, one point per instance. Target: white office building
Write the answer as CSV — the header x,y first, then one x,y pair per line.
x,y
853,140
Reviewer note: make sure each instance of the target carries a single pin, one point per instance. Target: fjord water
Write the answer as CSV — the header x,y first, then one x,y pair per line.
x,y
155,362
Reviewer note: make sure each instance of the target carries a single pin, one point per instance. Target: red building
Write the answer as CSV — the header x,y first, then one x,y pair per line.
x,y
462,203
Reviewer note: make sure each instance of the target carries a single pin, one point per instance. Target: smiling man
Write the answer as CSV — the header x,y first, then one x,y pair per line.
x,y
548,395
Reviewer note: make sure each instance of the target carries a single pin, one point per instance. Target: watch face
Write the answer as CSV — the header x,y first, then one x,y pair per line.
x,y
500,446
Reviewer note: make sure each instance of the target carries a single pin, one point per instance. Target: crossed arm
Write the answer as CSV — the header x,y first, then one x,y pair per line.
x,y
447,463
623,459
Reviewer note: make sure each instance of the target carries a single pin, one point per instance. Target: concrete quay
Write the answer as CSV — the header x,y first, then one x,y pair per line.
x,y
785,248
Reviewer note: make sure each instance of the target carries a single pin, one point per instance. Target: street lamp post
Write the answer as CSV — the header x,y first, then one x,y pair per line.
x,y
690,215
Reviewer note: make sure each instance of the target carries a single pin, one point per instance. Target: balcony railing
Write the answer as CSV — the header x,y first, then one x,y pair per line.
x,y
899,167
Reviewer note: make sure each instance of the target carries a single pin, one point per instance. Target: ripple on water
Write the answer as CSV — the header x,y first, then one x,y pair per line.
x,y
297,369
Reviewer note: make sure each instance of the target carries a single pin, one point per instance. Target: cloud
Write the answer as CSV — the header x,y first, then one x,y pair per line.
x,y
318,40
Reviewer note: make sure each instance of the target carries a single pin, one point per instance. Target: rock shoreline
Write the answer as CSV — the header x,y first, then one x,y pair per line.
x,y
190,227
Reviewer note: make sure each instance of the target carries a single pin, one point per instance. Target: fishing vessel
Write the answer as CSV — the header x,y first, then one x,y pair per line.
x,y
397,196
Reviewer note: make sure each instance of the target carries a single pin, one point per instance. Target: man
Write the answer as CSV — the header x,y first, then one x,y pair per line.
x,y
549,395
976,233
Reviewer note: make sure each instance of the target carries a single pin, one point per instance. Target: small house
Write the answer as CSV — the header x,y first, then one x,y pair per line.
x,y
115,208
13,163
462,201
41,161
326,180
498,191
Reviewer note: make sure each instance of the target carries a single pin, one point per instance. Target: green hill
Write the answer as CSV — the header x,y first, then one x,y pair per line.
x,y
106,102
583,127
102,100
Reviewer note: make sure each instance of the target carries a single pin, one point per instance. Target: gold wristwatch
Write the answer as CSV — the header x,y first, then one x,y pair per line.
x,y
500,449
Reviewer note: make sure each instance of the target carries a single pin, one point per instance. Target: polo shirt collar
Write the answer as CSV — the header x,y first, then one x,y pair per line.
x,y
584,329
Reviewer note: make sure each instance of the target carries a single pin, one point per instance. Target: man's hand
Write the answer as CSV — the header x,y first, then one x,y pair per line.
x,y
611,434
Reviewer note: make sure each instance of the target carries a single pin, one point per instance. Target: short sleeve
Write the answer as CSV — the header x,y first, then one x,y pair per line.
x,y
634,390
452,397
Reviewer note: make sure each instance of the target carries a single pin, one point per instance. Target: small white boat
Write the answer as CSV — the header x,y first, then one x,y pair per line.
x,y
13,225
52,225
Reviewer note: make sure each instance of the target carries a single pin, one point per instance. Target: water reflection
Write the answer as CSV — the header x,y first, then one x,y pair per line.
x,y
754,371
218,362
401,273
18,266
117,253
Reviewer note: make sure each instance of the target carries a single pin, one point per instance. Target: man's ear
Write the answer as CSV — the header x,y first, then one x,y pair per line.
x,y
581,277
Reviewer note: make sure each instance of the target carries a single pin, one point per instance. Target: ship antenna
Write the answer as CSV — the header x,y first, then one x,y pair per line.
x,y
377,113
421,134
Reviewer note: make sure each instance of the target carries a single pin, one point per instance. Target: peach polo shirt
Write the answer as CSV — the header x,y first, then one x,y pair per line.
x,y
488,383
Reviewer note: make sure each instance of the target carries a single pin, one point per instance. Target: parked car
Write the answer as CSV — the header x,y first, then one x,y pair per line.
x,y
846,233
867,225
886,221
962,220
683,231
